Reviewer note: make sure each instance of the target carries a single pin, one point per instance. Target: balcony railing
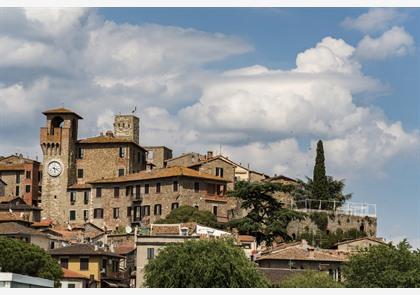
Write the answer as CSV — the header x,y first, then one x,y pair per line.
x,y
348,208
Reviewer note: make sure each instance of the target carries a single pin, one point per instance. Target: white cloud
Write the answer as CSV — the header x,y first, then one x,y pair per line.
x,y
393,43
376,19
259,115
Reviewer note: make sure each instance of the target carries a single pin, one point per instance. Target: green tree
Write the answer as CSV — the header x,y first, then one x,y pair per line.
x,y
215,263
320,183
185,214
384,266
27,259
304,191
267,218
310,279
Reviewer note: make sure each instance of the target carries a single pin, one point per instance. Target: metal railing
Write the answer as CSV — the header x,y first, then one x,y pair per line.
x,y
348,208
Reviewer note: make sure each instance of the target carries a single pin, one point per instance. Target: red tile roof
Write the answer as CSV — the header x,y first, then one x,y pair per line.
x,y
125,248
12,167
8,216
81,250
161,173
13,228
69,274
245,238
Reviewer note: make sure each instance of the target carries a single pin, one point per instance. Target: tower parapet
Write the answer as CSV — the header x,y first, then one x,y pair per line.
x,y
127,126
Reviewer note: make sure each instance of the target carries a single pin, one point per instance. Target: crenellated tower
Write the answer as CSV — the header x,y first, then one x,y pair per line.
x,y
58,143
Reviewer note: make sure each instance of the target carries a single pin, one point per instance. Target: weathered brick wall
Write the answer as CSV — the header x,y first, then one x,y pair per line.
x,y
160,154
228,170
185,160
344,222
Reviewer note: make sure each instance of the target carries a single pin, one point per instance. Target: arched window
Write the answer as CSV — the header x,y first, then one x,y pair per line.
x,y
56,122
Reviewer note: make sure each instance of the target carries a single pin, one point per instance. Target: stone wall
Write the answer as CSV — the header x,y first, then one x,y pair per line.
x,y
185,160
158,155
335,221
228,170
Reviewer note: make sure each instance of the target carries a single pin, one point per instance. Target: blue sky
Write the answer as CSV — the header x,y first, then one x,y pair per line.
x,y
263,83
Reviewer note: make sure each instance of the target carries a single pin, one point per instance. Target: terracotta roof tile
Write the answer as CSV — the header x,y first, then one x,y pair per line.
x,y
161,173
69,274
82,249
12,167
125,248
297,251
373,239
245,238
165,229
8,216
61,111
9,228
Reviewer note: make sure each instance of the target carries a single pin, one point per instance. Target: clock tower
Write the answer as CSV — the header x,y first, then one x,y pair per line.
x,y
58,143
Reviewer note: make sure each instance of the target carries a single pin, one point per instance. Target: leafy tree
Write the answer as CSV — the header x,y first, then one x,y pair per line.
x,y
267,218
28,259
384,266
184,214
215,263
304,191
310,279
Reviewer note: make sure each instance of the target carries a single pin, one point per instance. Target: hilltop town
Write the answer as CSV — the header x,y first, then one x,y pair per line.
x,y
97,205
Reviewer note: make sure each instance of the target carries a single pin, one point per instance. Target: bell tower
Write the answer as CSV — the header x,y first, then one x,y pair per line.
x,y
58,143
127,126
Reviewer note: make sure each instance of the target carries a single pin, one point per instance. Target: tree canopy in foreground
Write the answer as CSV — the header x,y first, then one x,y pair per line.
x,y
27,259
384,266
214,263
310,279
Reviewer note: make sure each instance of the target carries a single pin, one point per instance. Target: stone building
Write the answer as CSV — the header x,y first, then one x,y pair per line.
x,y
150,195
22,178
158,155
70,163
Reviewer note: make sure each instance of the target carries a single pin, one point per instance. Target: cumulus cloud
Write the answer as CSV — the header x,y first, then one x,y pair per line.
x,y
376,19
270,118
393,43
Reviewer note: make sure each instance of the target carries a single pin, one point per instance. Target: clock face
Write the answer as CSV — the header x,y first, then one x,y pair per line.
x,y
54,168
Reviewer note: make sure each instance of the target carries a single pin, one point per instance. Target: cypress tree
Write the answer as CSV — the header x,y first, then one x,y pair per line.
x,y
320,183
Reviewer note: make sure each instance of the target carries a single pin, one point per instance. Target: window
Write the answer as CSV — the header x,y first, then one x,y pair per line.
x,y
84,263
128,211
116,213
175,186
220,189
71,285
28,174
158,209
116,192
79,173
103,266
215,210
138,187
86,198
98,213
158,188
98,192
138,157
17,177
196,187
17,190
174,206
121,172
219,171
64,262
150,253
146,210
85,215
27,188
72,214
146,188
122,152
128,190
80,153
114,266
72,198
52,245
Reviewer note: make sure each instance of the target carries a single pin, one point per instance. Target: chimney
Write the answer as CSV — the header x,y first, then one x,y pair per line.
x,y
209,154
109,133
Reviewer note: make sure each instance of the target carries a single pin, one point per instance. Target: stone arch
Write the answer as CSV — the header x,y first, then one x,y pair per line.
x,y
56,122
